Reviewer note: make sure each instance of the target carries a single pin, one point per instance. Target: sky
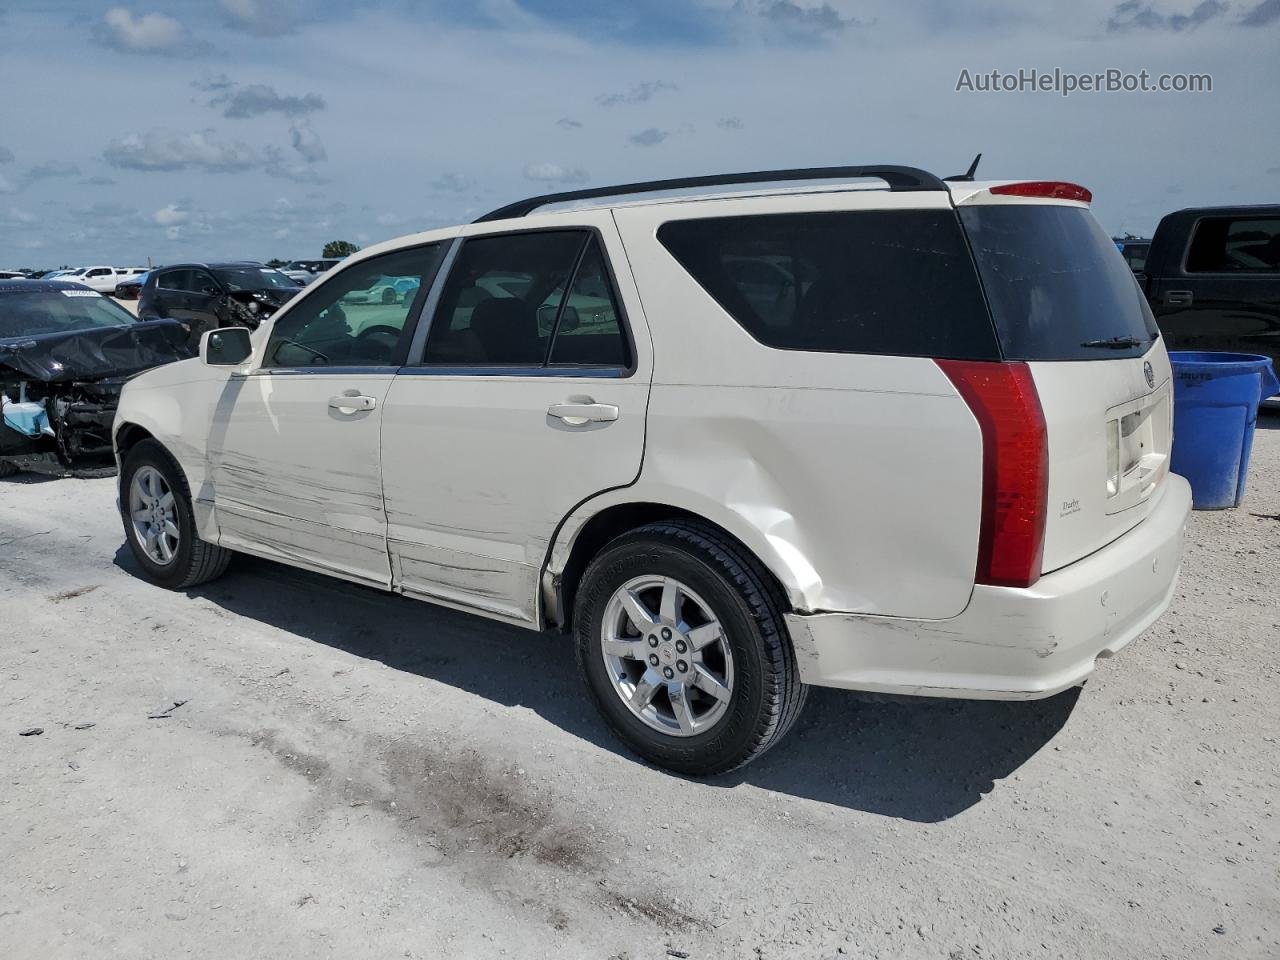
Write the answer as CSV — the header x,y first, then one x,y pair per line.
x,y
252,129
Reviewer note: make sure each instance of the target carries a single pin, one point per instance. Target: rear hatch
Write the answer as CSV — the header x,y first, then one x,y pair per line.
x,y
1064,300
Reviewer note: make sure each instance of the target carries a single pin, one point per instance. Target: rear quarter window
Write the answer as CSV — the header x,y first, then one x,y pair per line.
x,y
898,282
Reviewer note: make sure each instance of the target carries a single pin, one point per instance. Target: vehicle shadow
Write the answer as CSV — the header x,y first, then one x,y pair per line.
x,y
916,759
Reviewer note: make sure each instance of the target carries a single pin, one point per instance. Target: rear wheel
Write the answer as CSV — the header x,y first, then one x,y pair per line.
x,y
155,505
682,644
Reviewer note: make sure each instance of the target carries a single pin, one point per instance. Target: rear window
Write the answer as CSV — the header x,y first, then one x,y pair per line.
x,y
871,281
1057,286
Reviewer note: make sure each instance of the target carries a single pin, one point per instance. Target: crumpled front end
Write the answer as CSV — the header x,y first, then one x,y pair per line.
x,y
58,428
59,393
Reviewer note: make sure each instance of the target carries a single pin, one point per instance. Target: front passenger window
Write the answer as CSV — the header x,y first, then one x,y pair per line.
x,y
358,317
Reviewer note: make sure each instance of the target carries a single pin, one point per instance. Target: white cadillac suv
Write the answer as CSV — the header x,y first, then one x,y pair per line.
x,y
849,427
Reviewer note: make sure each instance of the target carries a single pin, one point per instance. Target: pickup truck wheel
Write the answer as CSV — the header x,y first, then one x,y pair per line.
x,y
681,642
155,505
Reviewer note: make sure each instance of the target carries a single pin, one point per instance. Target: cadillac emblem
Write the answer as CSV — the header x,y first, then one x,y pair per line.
x,y
1151,374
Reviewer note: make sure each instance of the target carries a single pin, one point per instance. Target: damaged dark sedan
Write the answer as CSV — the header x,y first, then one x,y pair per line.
x,y
204,296
65,354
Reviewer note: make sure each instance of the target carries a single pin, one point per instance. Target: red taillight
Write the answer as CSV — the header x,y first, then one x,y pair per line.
x,y
1049,189
1015,467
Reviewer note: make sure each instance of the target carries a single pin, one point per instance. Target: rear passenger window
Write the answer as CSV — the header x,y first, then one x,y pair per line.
x,y
505,304
874,281
1225,245
174,280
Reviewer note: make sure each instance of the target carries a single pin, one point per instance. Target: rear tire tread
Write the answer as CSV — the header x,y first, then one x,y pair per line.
x,y
784,693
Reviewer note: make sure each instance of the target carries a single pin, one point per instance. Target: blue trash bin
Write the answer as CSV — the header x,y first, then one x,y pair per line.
x,y
1215,408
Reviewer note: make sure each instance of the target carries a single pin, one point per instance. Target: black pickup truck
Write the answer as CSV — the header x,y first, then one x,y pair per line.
x,y
1212,277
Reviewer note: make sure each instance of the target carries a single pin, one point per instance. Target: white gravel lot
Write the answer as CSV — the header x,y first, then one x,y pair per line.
x,y
359,775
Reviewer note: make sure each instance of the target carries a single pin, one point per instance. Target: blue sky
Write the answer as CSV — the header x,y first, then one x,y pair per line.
x,y
260,128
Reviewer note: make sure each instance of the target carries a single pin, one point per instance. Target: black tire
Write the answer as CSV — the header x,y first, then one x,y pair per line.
x,y
767,693
194,561
7,468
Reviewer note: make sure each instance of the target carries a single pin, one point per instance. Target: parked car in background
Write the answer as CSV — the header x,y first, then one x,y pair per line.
x,y
204,296
12,275
307,271
1134,250
1213,280
130,288
100,278
938,464
65,353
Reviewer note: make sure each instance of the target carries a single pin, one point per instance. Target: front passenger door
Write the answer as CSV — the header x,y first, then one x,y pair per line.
x,y
294,447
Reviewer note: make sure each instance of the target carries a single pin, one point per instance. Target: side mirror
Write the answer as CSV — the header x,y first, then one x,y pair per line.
x,y
225,347
569,319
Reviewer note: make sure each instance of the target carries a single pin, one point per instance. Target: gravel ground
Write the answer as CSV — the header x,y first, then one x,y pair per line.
x,y
359,775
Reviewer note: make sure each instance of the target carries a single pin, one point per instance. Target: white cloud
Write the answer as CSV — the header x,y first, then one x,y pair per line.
x,y
20,216
640,93
141,33
264,18
255,99
649,138
170,215
167,150
306,142
555,173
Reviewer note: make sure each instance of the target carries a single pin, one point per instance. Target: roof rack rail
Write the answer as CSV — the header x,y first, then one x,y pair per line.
x,y
898,178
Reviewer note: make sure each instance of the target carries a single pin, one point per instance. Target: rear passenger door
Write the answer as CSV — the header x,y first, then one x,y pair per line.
x,y
170,294
524,396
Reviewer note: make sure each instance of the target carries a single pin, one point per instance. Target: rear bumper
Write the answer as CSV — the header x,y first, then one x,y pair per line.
x,y
1010,644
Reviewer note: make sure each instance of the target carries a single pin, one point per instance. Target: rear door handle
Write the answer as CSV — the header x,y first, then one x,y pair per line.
x,y
577,414
352,403
1177,298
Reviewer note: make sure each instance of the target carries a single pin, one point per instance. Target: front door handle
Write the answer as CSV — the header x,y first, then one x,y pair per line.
x,y
577,414
350,403
1177,298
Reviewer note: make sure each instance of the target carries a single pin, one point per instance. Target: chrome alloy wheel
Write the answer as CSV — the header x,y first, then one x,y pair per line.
x,y
153,515
667,656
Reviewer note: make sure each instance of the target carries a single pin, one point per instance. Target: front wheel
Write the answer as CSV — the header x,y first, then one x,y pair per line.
x,y
682,644
155,506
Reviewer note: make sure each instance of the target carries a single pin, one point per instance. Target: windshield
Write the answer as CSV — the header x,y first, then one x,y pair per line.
x,y
1058,287
30,313
254,278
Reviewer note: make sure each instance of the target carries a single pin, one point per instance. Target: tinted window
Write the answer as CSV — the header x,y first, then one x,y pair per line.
x,y
175,280
500,303
589,329
1224,245
1135,254
201,282
254,278
874,281
33,312
1058,287
356,318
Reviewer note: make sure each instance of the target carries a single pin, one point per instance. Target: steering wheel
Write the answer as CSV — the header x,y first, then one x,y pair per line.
x,y
384,337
